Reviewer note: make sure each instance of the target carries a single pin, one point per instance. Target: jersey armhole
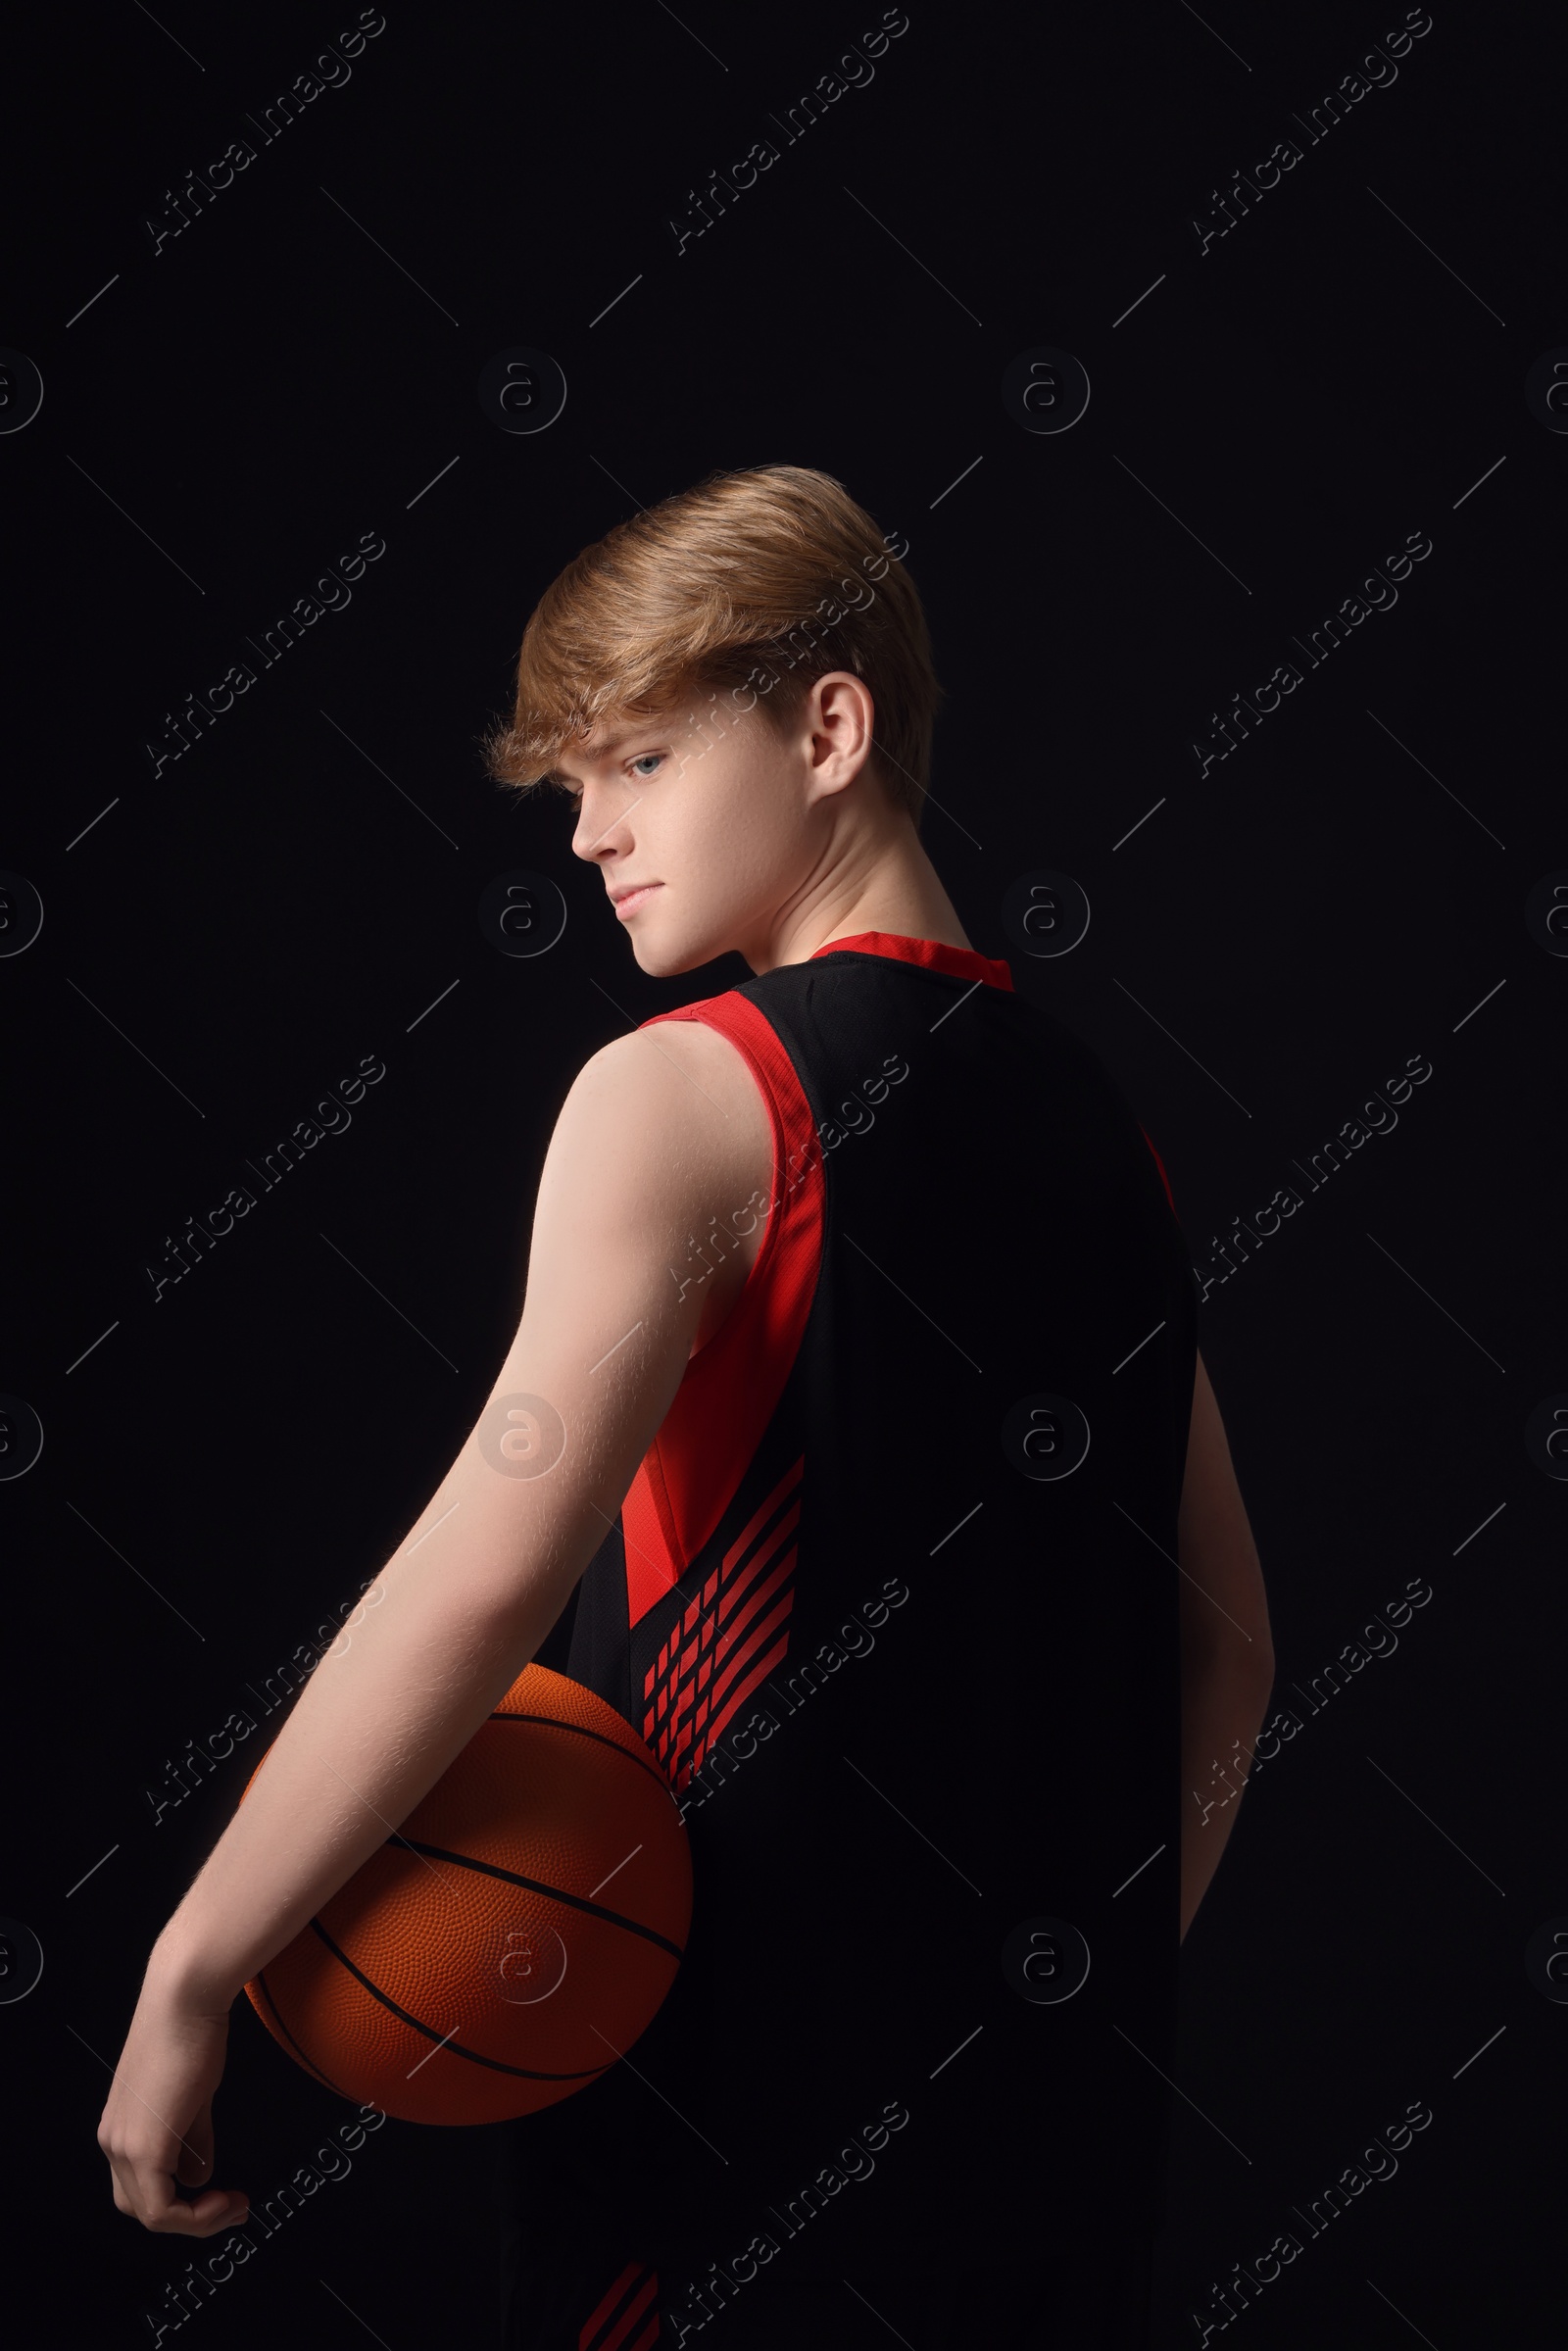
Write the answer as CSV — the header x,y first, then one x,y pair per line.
x,y
750,1036
731,1387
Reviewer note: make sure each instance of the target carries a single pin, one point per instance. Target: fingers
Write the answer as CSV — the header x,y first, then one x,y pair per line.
x,y
171,2215
145,2188
150,2196
156,2129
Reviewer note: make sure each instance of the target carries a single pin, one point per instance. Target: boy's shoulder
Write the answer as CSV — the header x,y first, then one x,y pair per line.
x,y
674,1088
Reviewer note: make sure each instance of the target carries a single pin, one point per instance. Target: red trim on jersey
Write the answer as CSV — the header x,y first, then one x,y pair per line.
x,y
959,962
1160,1164
732,1384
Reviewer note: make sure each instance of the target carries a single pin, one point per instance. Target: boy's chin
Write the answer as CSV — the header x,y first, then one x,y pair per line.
x,y
660,961
667,959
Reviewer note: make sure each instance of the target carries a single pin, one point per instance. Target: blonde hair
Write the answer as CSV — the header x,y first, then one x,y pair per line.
x,y
744,589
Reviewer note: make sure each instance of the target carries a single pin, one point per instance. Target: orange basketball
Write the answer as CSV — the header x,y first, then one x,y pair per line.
x,y
514,1936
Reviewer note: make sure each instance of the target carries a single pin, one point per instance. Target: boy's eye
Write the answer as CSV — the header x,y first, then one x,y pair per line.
x,y
637,763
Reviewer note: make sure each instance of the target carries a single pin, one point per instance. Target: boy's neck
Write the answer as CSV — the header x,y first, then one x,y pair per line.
x,y
901,892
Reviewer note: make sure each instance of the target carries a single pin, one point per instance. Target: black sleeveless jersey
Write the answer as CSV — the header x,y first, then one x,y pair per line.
x,y
893,1601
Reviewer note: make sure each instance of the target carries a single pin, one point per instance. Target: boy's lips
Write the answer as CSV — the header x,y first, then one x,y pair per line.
x,y
627,901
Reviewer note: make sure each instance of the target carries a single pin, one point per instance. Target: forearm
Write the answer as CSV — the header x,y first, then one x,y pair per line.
x,y
444,1631
1222,1710
466,1600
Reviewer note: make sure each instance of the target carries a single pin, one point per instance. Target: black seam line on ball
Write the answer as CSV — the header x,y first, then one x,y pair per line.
x,y
553,1723
308,2063
477,2056
538,1885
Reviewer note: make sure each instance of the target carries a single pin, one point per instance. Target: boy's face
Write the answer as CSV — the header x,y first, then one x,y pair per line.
x,y
712,828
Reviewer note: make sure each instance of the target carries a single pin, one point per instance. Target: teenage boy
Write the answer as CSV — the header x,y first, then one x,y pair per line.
x,y
892,1503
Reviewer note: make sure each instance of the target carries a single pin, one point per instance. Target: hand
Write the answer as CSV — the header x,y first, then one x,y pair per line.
x,y
157,2123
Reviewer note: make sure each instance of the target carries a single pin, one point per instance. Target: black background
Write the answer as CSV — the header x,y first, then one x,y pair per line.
x,y
297,368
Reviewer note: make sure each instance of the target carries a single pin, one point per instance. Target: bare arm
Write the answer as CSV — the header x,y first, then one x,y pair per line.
x,y
653,1137
1227,1652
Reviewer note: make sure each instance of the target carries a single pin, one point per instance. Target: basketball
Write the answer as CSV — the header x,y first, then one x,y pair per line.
x,y
512,1938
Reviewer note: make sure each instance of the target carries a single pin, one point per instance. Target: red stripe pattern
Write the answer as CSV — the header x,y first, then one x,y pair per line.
x,y
617,2322
730,1636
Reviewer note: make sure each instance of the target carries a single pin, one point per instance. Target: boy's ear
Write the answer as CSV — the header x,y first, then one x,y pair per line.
x,y
834,687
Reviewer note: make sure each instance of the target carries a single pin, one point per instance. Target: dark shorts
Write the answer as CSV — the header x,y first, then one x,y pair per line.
x,y
618,2236
569,2292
